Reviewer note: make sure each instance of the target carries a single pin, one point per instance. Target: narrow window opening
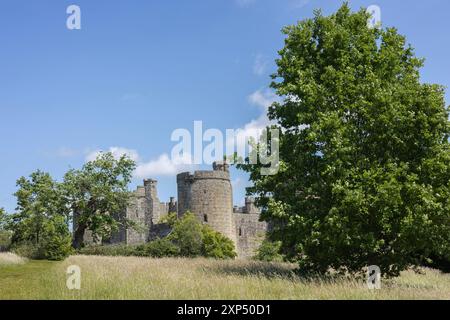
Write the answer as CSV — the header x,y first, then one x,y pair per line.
x,y
205,217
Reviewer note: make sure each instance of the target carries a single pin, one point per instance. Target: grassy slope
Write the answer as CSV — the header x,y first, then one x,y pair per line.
x,y
144,278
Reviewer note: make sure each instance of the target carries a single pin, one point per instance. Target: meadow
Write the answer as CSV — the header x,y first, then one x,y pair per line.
x,y
176,278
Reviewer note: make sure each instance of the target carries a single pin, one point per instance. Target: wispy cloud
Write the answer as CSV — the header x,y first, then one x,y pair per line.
x,y
117,153
65,152
161,166
260,64
164,166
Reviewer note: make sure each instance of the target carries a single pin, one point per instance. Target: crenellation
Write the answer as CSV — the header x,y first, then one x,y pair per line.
x,y
208,195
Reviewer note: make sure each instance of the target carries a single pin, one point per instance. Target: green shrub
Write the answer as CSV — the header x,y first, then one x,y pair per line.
x,y
269,251
196,239
189,238
28,250
158,249
55,244
187,235
57,241
5,240
216,245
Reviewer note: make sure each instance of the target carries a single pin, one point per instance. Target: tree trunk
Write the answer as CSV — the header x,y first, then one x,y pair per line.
x,y
78,237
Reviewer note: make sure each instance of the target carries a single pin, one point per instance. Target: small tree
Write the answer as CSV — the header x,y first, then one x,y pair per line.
x,y
39,200
96,194
40,228
216,245
269,251
187,235
196,239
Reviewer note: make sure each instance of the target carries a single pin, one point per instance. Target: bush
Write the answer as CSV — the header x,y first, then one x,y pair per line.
x,y
187,235
28,250
158,249
5,240
55,244
216,245
196,239
269,251
189,238
57,241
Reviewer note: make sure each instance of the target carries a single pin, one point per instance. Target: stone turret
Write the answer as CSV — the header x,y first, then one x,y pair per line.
x,y
208,194
172,206
250,206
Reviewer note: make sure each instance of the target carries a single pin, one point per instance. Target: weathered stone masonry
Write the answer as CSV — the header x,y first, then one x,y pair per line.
x,y
207,194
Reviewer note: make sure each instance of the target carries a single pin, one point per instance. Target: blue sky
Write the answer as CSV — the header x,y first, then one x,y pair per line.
x,y
137,70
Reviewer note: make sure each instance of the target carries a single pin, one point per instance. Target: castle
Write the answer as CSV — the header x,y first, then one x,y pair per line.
x,y
207,194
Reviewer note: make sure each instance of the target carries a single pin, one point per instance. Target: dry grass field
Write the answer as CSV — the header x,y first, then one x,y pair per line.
x,y
146,278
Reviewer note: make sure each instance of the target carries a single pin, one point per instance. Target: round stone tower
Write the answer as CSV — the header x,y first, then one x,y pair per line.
x,y
208,194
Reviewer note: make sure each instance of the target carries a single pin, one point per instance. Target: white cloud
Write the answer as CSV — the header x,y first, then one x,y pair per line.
x,y
263,99
117,153
162,166
260,64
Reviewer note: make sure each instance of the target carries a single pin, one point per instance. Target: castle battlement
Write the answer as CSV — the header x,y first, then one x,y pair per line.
x,y
208,195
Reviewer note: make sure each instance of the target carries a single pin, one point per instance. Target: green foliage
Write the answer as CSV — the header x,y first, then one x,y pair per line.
x,y
158,248
169,219
269,251
5,240
39,228
216,245
95,195
187,235
27,249
39,200
189,238
196,239
5,219
5,235
57,240
364,154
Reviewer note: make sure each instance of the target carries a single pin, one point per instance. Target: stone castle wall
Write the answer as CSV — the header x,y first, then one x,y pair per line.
x,y
208,195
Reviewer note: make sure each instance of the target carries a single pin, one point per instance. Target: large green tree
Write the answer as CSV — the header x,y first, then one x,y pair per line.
x,y
97,194
364,154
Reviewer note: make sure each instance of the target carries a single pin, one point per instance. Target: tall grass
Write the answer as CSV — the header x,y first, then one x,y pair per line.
x,y
7,258
177,278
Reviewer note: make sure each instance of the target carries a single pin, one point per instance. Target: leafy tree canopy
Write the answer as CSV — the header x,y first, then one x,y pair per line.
x,y
364,152
97,194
